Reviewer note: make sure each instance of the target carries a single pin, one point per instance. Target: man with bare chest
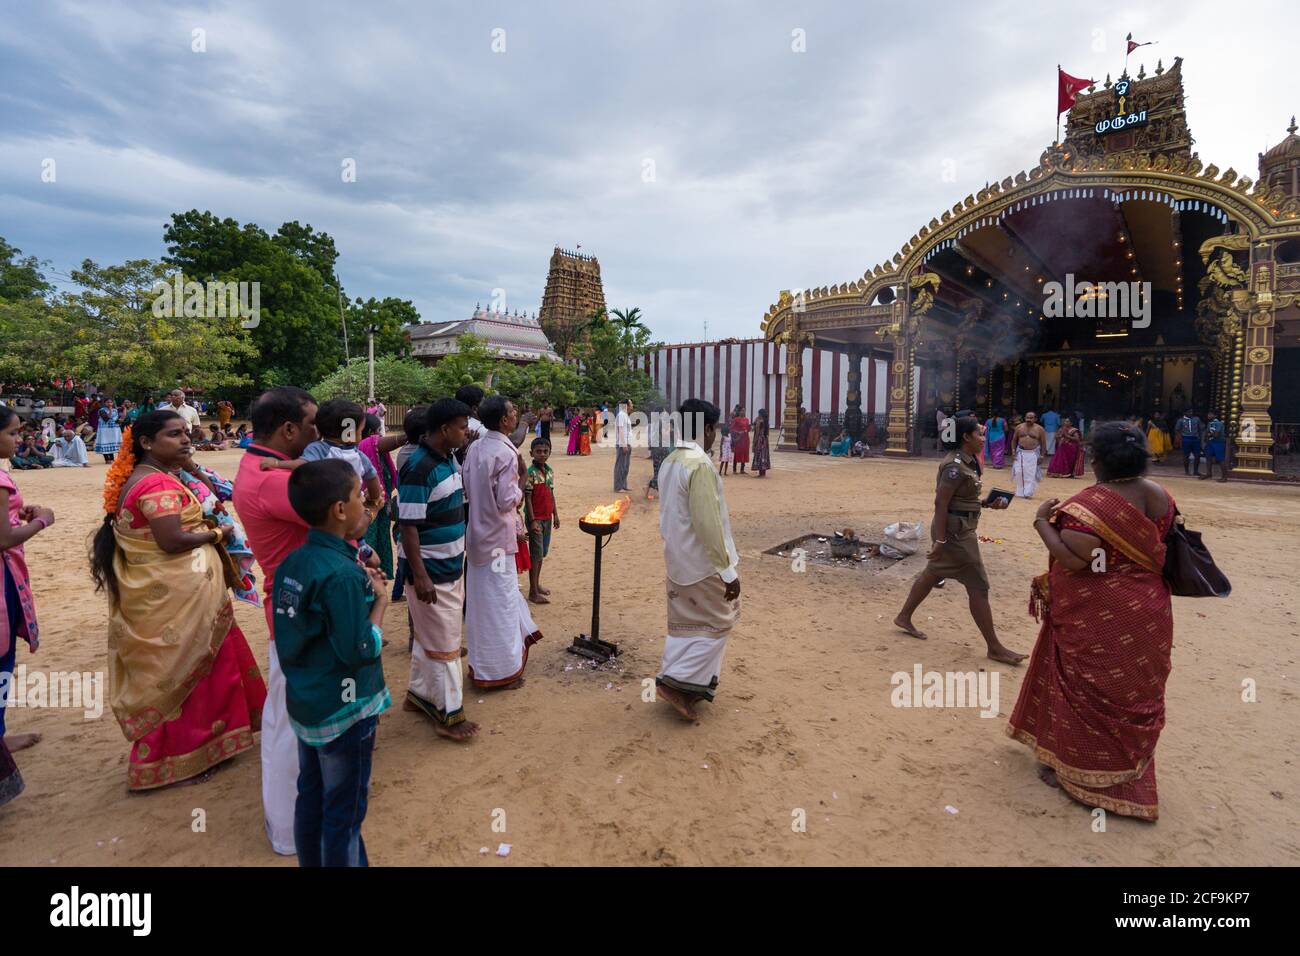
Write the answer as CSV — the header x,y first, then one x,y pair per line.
x,y
1028,442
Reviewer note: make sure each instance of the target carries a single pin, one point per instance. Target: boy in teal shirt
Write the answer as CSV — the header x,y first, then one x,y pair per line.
x,y
327,614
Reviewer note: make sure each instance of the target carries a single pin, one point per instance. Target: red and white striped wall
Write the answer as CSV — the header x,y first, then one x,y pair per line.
x,y
752,372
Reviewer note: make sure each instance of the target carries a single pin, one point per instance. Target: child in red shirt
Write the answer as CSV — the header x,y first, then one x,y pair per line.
x,y
540,515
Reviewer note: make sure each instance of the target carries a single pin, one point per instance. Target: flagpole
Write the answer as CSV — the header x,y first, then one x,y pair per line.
x,y
1057,140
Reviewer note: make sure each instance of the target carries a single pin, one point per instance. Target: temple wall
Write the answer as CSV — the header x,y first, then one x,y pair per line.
x,y
752,372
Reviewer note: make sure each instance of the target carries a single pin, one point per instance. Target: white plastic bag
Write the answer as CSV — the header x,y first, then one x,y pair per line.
x,y
901,539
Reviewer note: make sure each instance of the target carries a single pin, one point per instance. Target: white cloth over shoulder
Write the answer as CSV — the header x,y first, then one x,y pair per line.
x,y
693,518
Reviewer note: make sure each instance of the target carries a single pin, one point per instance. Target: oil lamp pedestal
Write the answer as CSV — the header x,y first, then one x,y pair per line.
x,y
590,645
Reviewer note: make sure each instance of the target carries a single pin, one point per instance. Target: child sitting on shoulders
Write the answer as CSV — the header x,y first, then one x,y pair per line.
x,y
340,423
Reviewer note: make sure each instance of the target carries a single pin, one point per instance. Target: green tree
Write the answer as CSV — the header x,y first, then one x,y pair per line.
x,y
609,372
399,381
628,320
20,276
541,384
391,316
119,334
31,330
299,337
316,249
472,364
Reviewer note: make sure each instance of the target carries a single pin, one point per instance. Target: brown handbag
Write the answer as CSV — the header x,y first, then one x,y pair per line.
x,y
234,578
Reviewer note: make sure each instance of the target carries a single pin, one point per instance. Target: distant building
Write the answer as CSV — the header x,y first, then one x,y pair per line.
x,y
514,336
573,293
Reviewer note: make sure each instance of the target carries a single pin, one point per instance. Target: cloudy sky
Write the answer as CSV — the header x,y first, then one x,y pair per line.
x,y
689,146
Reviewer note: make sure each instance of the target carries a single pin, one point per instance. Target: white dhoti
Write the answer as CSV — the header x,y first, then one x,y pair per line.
x,y
499,628
1025,469
700,620
279,761
1051,444
436,685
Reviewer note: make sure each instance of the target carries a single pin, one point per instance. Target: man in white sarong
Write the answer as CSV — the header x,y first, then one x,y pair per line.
x,y
499,628
700,558
284,421
1028,444
431,519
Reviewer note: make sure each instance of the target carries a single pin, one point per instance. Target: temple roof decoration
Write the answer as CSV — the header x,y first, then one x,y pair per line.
x,y
1280,166
514,336
1167,171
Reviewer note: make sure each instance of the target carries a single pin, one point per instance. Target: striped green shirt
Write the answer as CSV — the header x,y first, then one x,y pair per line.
x,y
431,498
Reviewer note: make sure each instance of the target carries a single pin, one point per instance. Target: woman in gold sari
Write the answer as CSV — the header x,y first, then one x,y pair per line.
x,y
183,683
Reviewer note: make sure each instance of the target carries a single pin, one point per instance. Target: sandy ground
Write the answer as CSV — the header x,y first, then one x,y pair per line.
x,y
587,773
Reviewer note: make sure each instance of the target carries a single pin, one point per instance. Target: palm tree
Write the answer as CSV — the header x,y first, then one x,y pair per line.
x,y
629,319
597,318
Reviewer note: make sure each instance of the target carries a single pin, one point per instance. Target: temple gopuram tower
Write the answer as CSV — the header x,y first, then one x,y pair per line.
x,y
573,293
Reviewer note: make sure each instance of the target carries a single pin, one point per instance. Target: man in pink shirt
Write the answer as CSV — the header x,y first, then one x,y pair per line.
x,y
284,423
499,628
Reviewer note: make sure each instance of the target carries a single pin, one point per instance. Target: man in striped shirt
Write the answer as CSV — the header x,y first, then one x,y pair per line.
x,y
431,517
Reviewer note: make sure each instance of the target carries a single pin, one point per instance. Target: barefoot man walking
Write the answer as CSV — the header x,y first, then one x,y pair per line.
x,y
700,559
1028,442
956,552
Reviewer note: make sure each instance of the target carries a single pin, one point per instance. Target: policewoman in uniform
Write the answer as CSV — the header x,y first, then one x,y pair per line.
x,y
955,550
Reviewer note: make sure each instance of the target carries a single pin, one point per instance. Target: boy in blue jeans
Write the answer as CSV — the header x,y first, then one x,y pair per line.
x,y
327,612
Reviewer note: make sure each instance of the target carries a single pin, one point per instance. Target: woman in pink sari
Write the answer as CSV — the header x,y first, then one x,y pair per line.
x,y
183,683
1067,462
1092,704
19,523
575,433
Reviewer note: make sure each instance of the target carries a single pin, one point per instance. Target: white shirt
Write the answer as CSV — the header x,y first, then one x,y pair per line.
x,y
186,411
622,429
693,518
477,427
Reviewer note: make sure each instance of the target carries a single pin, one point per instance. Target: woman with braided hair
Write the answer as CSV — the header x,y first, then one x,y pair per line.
x,y
183,683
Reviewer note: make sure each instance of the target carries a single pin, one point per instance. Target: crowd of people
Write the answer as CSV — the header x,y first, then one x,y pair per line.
x,y
340,529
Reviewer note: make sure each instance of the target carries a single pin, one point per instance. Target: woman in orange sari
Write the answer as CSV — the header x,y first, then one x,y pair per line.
x,y
1092,704
183,683
585,430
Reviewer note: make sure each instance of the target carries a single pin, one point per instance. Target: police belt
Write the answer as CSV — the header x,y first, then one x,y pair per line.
x,y
963,514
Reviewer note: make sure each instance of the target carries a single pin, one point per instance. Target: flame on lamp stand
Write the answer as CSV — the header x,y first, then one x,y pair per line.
x,y
600,522
608,514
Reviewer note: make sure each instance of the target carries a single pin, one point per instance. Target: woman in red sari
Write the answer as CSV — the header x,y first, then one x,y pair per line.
x,y
740,439
1092,704
183,683
1067,462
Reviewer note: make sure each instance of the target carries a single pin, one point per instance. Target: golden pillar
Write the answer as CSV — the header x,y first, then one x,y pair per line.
x,y
1252,428
899,403
793,340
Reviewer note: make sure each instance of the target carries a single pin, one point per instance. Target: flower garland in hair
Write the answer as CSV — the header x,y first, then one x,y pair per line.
x,y
119,472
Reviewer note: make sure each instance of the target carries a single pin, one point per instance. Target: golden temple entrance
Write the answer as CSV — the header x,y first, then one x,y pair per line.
x,y
1120,277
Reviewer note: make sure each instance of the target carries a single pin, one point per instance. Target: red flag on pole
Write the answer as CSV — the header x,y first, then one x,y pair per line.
x,y
1133,46
1067,88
